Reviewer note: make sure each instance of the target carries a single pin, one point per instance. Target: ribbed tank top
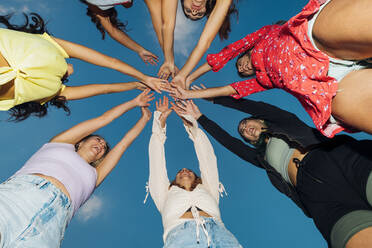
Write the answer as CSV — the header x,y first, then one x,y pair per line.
x,y
59,160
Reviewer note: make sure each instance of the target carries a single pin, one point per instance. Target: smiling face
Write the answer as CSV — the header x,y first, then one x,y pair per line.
x,y
251,129
92,149
244,65
194,9
185,177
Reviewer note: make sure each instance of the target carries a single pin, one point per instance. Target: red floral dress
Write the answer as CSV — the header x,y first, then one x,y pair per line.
x,y
283,57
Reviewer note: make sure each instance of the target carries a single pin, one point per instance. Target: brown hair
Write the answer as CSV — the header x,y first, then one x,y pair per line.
x,y
110,13
225,28
197,181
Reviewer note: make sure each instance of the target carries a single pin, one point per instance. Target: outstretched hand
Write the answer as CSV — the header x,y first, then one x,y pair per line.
x,y
180,112
146,113
187,108
176,91
144,98
179,81
154,83
167,70
163,107
148,57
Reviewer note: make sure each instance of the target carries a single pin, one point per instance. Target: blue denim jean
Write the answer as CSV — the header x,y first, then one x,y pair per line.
x,y
33,213
184,235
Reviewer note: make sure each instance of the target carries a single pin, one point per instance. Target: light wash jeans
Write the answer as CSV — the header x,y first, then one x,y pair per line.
x,y
33,213
184,236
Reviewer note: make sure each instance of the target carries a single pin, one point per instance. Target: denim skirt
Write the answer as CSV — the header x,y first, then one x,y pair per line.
x,y
33,213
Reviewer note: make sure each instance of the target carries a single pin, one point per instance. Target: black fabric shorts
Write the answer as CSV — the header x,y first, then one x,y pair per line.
x,y
331,181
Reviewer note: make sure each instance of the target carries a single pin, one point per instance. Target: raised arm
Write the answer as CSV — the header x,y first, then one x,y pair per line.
x,y
210,31
205,153
154,7
168,14
112,158
85,128
231,143
218,60
124,39
92,56
197,73
246,87
158,179
88,90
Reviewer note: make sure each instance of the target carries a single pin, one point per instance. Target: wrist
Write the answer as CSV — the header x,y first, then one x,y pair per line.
x,y
197,116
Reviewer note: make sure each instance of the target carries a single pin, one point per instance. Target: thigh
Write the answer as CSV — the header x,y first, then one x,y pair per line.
x,y
342,29
352,104
353,230
362,239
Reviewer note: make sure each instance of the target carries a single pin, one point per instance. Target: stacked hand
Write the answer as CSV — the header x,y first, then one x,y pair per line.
x,y
154,83
186,108
167,70
176,91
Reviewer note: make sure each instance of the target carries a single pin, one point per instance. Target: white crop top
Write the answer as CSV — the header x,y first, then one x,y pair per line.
x,y
59,160
173,202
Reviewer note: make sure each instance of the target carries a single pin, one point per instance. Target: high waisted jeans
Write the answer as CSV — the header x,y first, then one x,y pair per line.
x,y
184,235
33,213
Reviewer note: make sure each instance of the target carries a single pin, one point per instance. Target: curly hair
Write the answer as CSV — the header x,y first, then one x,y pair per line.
x,y
225,28
197,181
23,111
111,13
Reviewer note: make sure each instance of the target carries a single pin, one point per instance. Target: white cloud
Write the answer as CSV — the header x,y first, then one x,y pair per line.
x,y
6,9
91,209
184,38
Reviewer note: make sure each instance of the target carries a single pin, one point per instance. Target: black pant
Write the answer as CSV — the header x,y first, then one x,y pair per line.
x,y
332,178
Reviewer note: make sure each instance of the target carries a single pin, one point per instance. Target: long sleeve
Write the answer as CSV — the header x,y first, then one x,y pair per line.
x,y
233,144
158,179
218,60
260,110
246,87
207,158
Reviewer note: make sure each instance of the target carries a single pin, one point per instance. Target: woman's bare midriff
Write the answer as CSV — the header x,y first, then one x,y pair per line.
x,y
56,183
292,168
6,90
188,215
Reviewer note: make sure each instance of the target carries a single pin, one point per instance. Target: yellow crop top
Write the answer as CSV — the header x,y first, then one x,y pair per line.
x,y
37,65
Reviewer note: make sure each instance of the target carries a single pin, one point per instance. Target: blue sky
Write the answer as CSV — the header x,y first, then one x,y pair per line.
x,y
254,210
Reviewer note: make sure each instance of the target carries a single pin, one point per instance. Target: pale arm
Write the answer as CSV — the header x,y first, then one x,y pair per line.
x,y
207,158
168,13
154,7
158,179
88,90
94,57
113,157
126,41
178,92
197,73
211,28
85,128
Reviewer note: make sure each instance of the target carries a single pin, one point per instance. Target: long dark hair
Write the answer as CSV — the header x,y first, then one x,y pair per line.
x,y
33,24
225,28
111,13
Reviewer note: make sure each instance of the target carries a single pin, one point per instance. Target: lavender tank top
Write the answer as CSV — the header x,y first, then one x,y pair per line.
x,y
59,160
